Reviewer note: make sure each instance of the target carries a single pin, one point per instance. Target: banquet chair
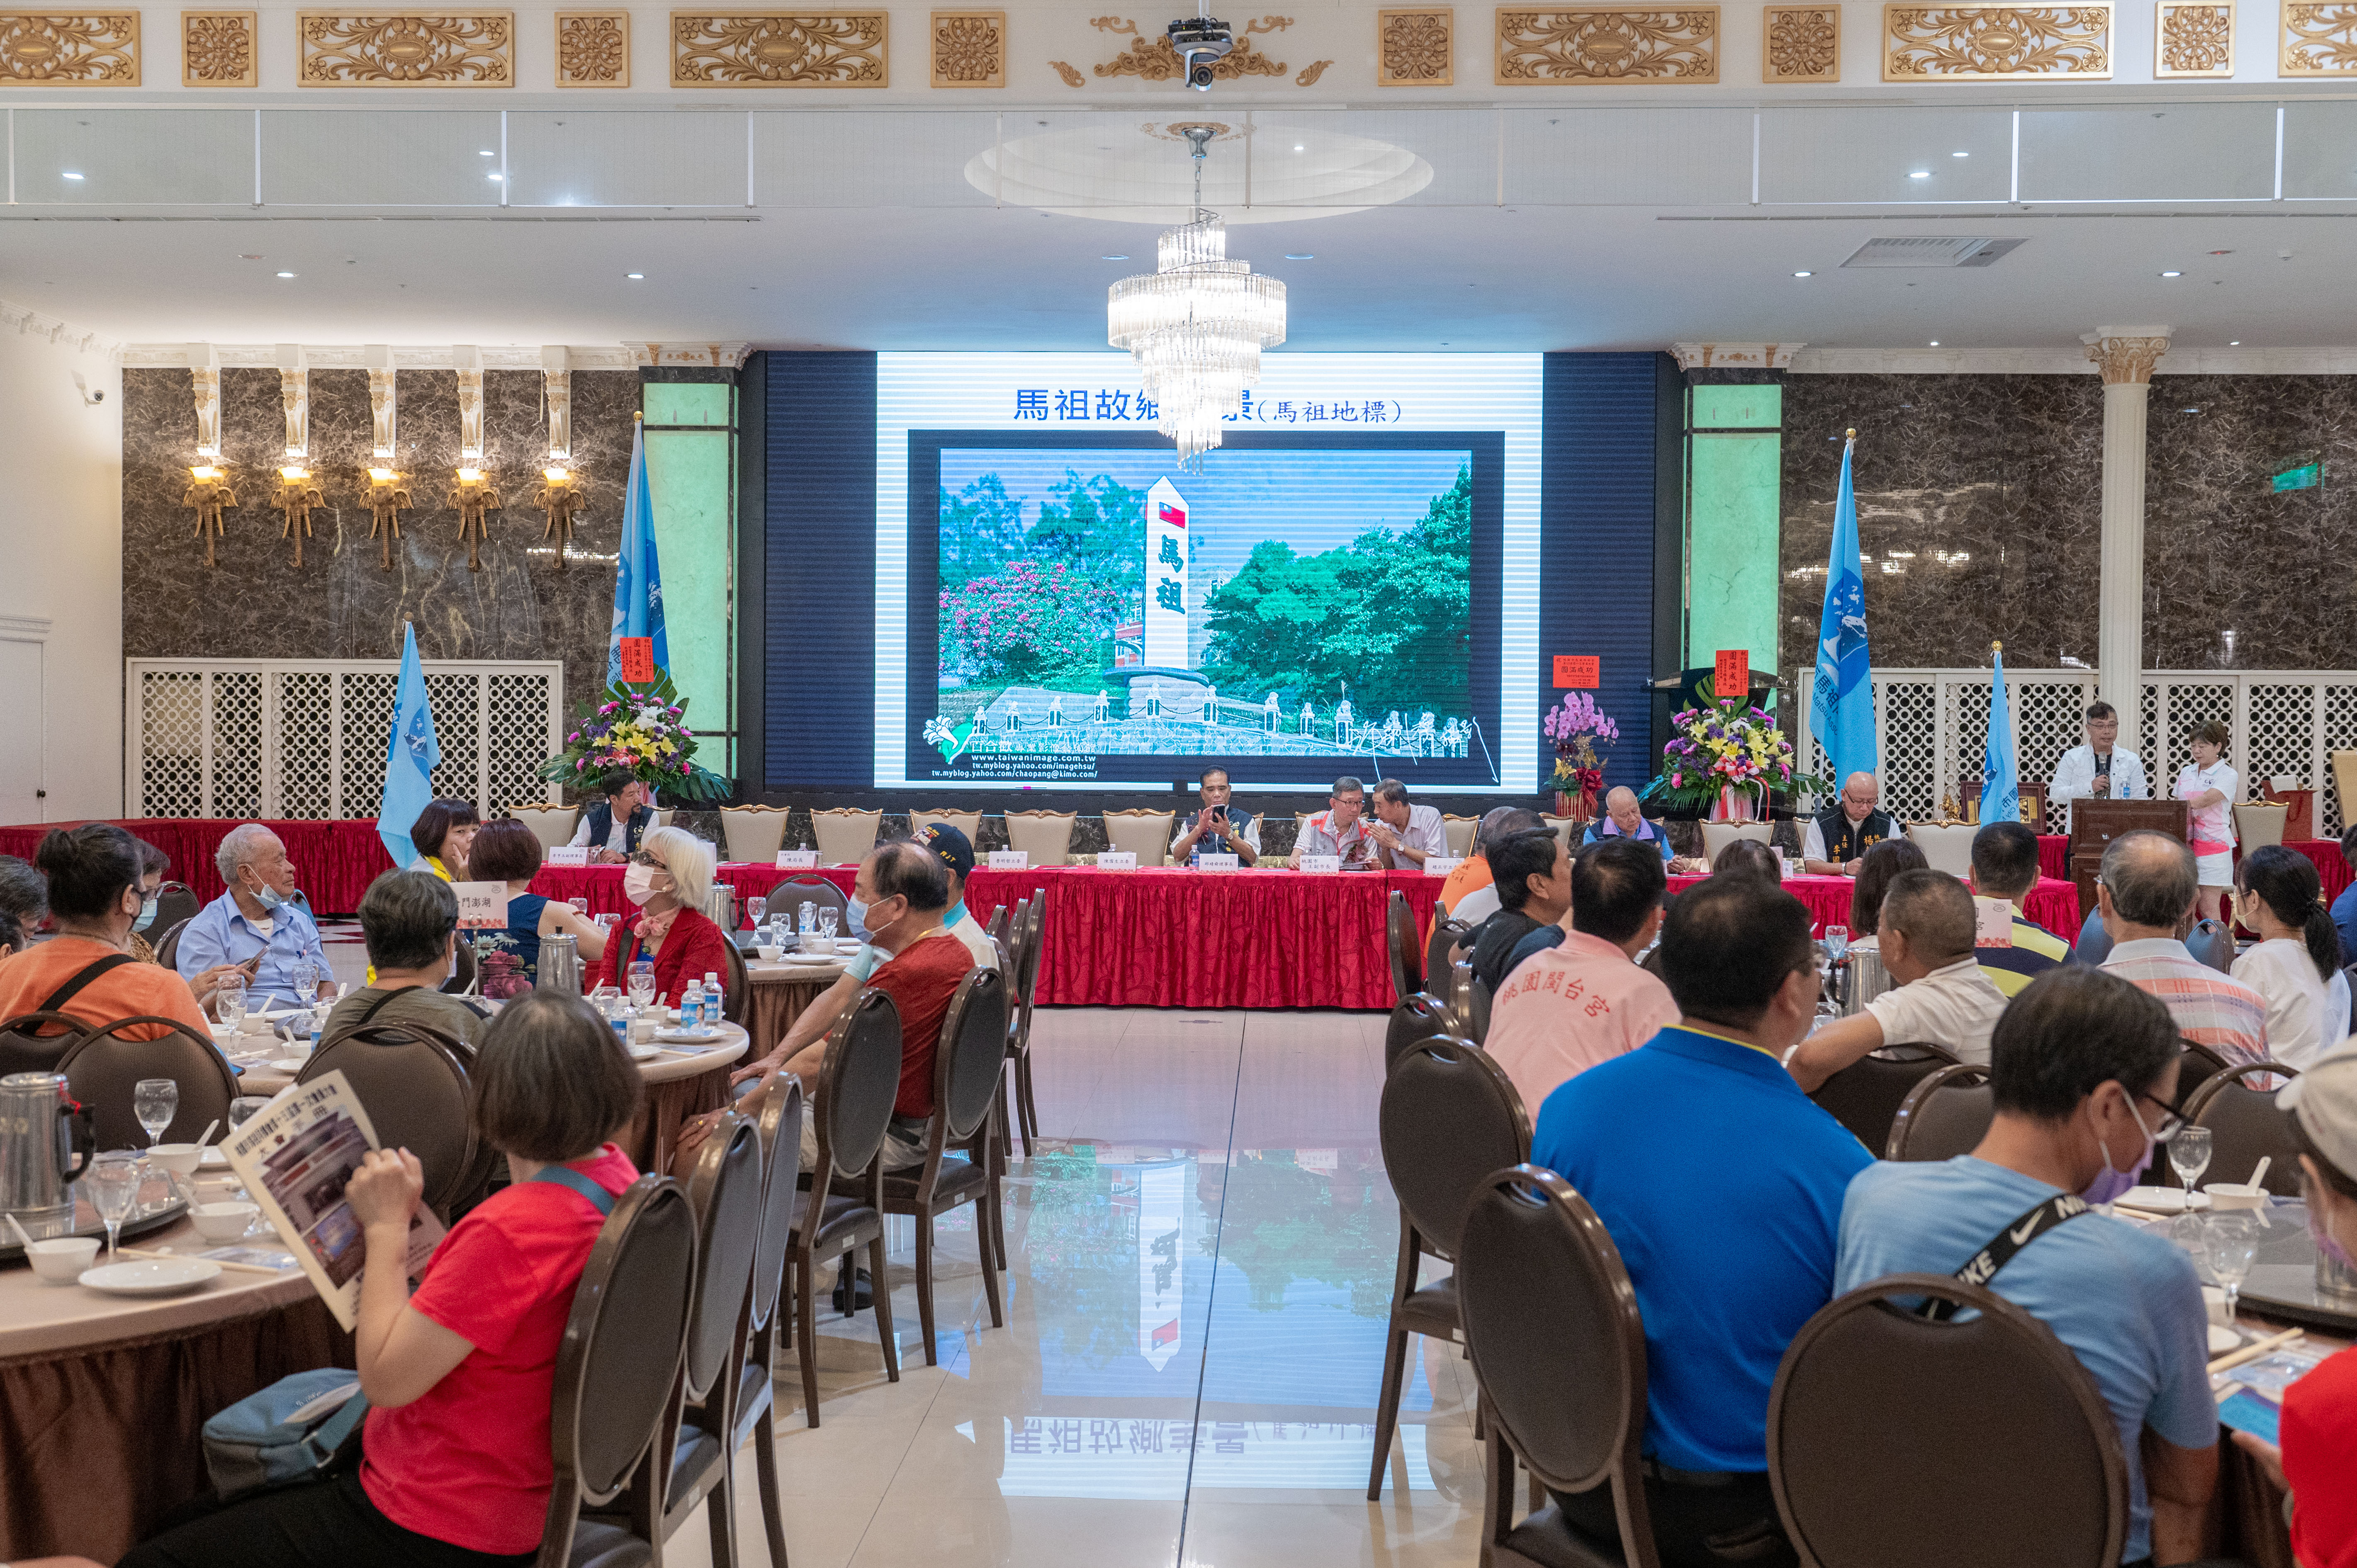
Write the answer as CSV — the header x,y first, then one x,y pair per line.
x,y
463,976
1419,1018
1567,829
967,822
2212,943
1716,836
2009,1452
1045,836
2343,765
1558,1351
1448,1117
2094,943
550,822
1145,833
1865,1096
1406,955
411,1079
2258,825
1458,833
2196,1066
857,1084
167,946
1946,846
845,835
788,897
1447,932
737,984
1945,1115
101,1069
779,1121
617,1371
966,1080
25,1048
1032,923
2244,1127
753,834
175,902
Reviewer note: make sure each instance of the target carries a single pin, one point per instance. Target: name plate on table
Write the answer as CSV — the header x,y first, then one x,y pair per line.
x,y
1992,922
1225,862
1118,860
482,906
797,860
1322,865
1441,865
567,854
1010,860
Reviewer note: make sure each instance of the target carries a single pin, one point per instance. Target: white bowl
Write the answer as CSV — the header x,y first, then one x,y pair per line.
x,y
62,1262
2235,1195
769,952
225,1221
181,1159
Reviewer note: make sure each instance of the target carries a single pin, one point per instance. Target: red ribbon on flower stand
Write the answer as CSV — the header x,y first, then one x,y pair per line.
x,y
1581,808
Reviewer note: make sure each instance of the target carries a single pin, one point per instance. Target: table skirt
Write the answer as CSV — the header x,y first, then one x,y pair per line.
x,y
771,1008
655,1134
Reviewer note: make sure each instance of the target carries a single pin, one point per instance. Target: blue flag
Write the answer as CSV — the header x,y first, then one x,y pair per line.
x,y
2000,790
410,757
638,582
1841,709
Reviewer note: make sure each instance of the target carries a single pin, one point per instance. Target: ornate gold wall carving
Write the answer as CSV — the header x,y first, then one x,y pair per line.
x,y
2193,39
1065,69
771,48
217,48
476,49
1416,48
75,48
593,48
1997,42
2317,41
969,49
1310,73
1799,43
1541,49
1153,59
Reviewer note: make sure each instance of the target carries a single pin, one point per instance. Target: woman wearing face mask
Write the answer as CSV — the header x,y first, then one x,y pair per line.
x,y
668,879
86,970
2318,1461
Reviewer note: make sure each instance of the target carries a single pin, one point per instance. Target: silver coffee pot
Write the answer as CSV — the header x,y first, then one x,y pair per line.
x,y
560,965
1865,978
720,904
47,1138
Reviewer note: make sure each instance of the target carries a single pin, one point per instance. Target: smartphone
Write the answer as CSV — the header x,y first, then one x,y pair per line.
x,y
2248,1410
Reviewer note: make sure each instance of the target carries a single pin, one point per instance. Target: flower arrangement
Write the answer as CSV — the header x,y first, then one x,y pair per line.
x,y
1727,756
642,730
1576,727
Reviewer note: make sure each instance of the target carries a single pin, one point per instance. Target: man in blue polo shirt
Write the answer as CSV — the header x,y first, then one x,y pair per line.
x,y
1722,1185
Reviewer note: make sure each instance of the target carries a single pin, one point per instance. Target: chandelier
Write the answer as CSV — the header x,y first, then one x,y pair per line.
x,y
1196,327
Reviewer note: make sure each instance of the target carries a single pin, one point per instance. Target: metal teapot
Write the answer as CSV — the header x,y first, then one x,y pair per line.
x,y
47,1138
560,965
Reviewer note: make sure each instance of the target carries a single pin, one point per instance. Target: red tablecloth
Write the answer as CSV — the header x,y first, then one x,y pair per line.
x,y
602,885
2055,860
2051,903
2054,856
334,860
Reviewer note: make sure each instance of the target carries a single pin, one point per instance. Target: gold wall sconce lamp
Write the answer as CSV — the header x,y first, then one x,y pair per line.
x,y
209,491
297,493
475,493
388,499
560,497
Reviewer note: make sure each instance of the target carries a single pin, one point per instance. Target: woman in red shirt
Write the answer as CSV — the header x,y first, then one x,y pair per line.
x,y
456,1470
668,878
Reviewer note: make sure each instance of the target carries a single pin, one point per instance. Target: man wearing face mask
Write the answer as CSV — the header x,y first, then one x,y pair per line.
x,y
261,922
2084,1072
86,970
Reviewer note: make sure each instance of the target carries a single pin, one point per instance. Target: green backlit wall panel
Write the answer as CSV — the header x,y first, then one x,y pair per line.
x,y
1734,460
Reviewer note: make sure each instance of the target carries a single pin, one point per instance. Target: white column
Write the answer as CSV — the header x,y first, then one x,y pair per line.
x,y
2124,354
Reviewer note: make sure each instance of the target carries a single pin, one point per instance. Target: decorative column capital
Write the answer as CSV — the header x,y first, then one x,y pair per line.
x,y
2125,354
1734,356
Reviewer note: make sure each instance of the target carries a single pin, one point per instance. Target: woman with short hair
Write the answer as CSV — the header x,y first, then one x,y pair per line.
x,y
1875,870
668,878
507,851
2209,789
87,970
442,835
2295,965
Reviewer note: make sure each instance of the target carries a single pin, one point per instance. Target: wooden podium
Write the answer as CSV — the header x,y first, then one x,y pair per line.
x,y
2096,822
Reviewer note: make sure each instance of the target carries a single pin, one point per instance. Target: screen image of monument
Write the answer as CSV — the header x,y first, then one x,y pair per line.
x,y
1302,608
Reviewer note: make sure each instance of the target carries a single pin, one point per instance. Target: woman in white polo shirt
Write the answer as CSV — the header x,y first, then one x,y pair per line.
x,y
2208,786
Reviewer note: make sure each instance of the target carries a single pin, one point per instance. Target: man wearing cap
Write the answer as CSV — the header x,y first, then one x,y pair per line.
x,y
955,851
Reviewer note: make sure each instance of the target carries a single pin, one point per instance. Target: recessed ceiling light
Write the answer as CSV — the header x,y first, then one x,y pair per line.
x,y
1297,146
69,174
1301,255
499,176
634,274
1918,174
1112,258
1804,274
2234,343
244,257
2172,275
1936,342
486,153
287,274
1960,155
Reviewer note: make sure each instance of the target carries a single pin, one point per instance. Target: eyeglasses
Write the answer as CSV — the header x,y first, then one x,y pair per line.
x,y
2172,1120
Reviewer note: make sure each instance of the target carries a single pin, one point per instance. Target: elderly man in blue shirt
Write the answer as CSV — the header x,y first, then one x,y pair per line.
x,y
261,922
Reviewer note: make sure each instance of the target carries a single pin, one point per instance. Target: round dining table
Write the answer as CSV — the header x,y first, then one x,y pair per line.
x,y
783,988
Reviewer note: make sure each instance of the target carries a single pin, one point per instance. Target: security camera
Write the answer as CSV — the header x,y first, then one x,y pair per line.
x,y
1202,42
88,396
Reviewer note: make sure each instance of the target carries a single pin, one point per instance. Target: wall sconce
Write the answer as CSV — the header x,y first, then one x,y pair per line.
x,y
388,499
209,492
470,498
560,497
298,494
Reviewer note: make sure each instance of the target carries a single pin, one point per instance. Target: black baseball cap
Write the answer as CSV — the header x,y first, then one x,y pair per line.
x,y
952,845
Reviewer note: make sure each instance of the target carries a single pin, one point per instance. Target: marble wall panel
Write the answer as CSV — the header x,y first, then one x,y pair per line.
x,y
341,603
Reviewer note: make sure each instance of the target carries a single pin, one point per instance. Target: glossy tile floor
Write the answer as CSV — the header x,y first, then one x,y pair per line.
x,y
1199,1260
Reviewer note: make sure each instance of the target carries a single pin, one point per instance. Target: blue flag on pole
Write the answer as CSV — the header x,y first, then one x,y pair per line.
x,y
410,757
638,583
2000,789
1841,709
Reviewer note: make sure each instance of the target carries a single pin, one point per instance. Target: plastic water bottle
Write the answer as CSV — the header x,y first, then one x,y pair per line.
x,y
691,1006
712,994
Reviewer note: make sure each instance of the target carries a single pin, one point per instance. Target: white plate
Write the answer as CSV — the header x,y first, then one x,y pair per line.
x,y
2224,1340
644,1053
2162,1199
289,1064
688,1036
151,1276
214,1159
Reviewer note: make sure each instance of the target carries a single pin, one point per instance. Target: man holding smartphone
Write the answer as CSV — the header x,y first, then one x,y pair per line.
x,y
1217,828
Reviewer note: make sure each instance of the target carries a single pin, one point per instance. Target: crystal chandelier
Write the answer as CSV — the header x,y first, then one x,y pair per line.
x,y
1196,326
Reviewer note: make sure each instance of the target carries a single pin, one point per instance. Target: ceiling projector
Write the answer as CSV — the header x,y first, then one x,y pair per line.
x,y
1202,42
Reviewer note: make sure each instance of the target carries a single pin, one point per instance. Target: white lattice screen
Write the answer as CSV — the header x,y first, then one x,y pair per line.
x,y
2283,723
301,739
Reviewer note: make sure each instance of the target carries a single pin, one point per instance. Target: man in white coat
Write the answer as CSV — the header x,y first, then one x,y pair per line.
x,y
2099,769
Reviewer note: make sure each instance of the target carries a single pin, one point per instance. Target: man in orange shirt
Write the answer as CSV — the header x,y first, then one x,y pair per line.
x,y
86,971
1473,874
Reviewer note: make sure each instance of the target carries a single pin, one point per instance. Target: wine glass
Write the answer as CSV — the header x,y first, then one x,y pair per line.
x,y
828,921
580,906
154,1101
2189,1156
228,1003
2231,1242
113,1183
306,982
643,983
1836,942
757,911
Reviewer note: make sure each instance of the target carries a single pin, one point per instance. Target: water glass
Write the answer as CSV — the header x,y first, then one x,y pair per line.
x,y
114,1178
580,906
154,1101
229,1004
757,911
808,918
643,983
2231,1240
2189,1155
1837,942
306,982
827,922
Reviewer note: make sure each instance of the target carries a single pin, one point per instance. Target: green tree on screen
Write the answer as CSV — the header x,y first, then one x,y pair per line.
x,y
981,529
1096,529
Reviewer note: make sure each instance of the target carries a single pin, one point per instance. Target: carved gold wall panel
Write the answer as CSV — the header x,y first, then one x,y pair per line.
x,y
1067,70
2193,41
476,49
771,48
1996,43
2317,41
1416,48
1541,49
98,48
969,49
1799,43
593,48
1153,59
217,48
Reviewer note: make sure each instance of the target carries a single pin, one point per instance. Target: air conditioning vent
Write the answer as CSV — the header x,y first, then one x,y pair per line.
x,y
1930,250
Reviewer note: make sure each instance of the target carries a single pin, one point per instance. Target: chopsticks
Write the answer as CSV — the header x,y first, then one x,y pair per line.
x,y
2254,1351
221,1262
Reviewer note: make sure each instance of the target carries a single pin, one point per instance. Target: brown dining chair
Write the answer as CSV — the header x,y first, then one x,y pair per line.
x,y
102,1070
1865,1096
1030,926
1945,1115
2026,1458
617,1373
463,969
411,1079
1558,1350
2244,1128
167,942
857,1081
1400,941
1412,1022
2196,1067
1448,1117
38,1042
788,897
967,1077
176,902
779,1120
1440,947
737,984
